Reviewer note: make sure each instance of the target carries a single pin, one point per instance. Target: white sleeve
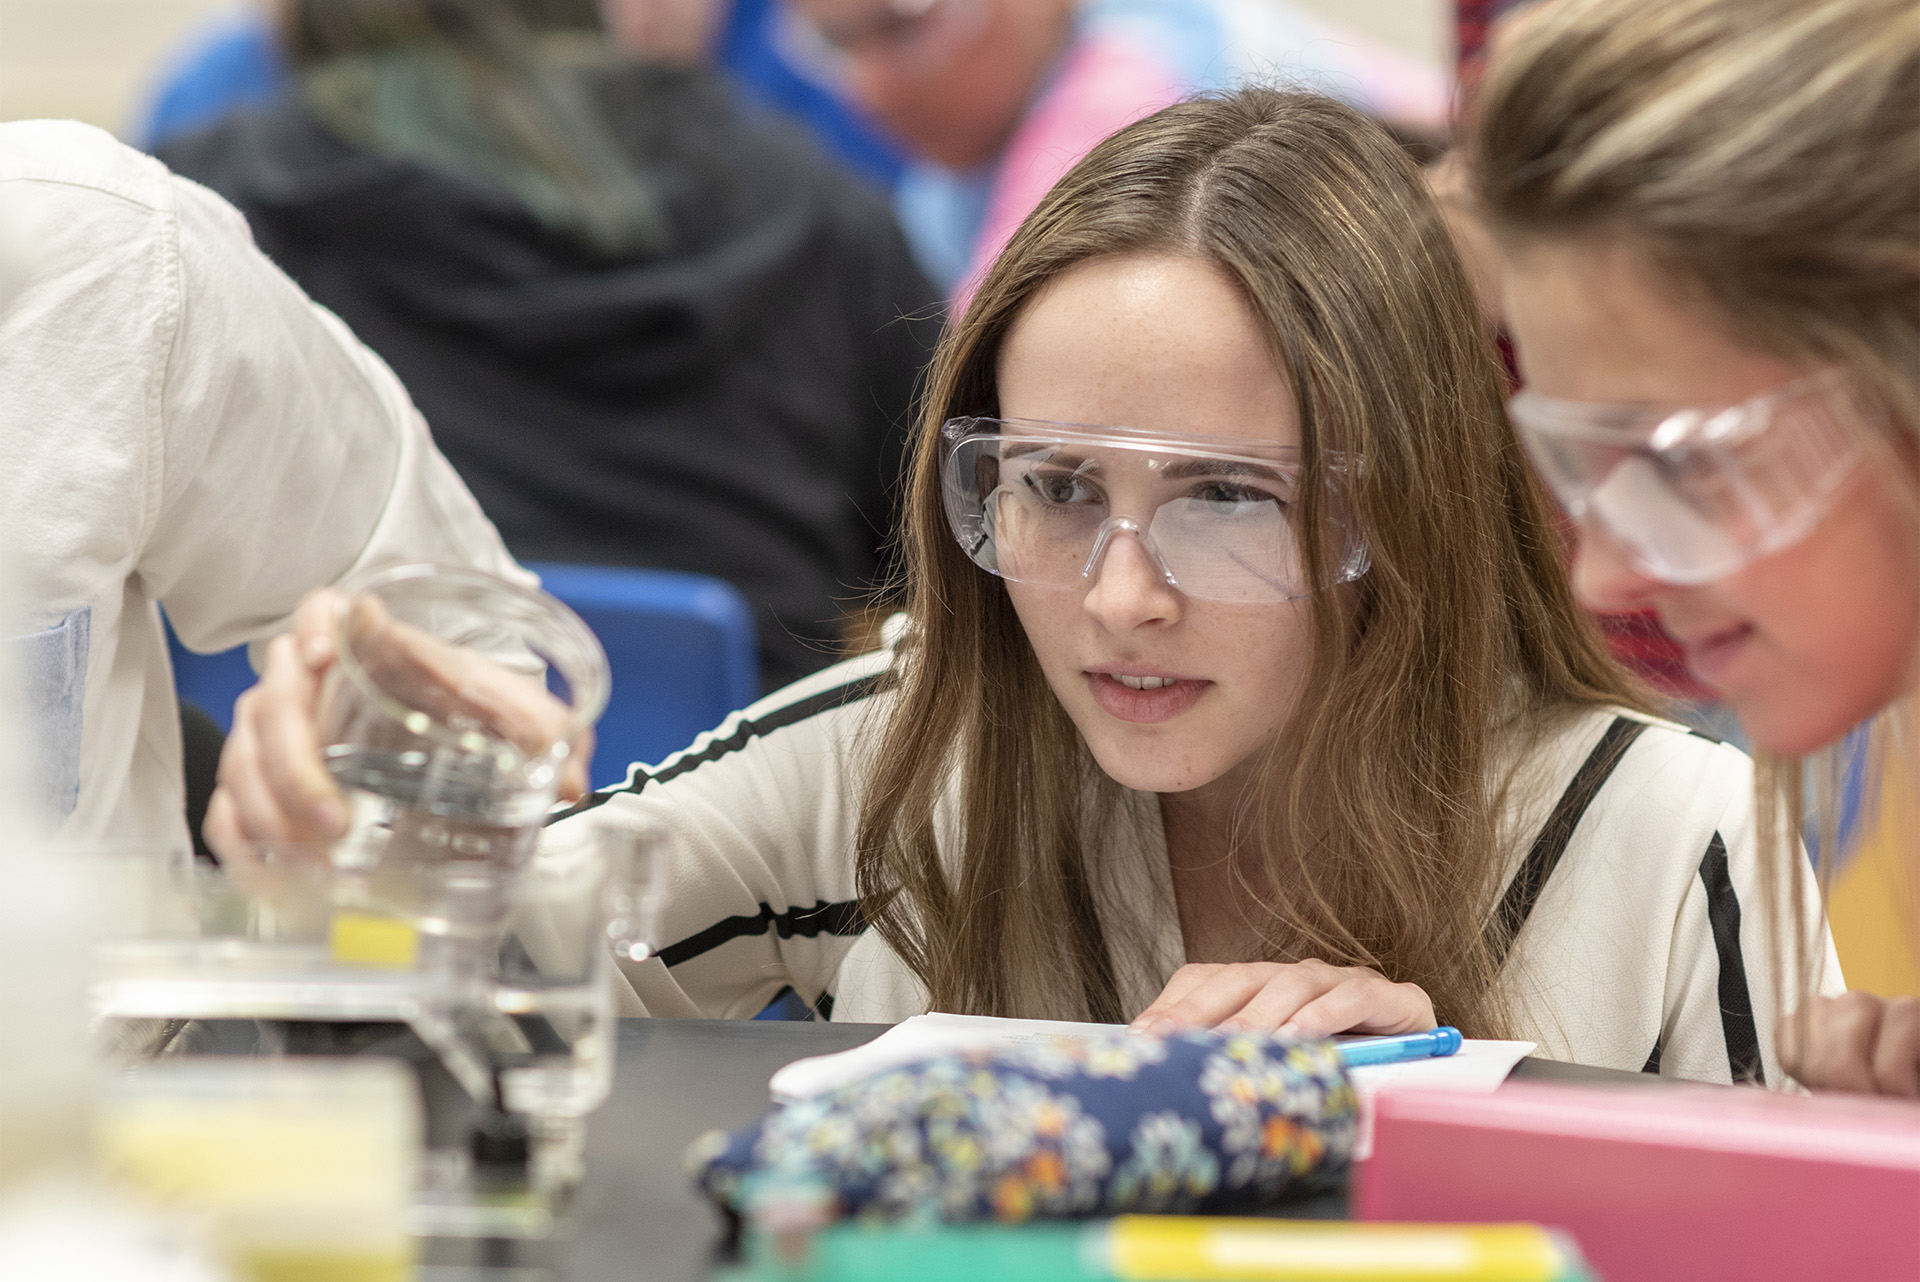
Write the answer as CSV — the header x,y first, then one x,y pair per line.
x,y
761,894
291,457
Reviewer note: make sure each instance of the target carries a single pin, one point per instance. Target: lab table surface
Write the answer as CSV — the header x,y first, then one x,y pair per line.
x,y
638,1218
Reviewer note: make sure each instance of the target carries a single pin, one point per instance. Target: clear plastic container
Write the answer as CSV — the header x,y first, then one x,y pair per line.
x,y
301,1168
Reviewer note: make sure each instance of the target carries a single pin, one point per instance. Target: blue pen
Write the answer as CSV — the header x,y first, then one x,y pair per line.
x,y
1432,1044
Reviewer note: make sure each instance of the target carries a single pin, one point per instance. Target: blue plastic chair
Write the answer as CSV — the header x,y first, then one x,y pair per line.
x,y
683,649
211,681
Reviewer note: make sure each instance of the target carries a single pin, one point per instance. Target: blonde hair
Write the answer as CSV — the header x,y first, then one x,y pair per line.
x,y
1377,837
1762,157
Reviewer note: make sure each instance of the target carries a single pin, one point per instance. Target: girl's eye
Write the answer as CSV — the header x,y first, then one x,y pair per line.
x,y
1224,497
1692,473
1059,488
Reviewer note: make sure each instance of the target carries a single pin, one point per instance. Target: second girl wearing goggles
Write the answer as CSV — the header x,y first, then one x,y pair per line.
x,y
1240,683
1709,212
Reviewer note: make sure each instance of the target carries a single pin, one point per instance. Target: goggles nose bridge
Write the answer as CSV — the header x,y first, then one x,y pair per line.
x,y
1103,539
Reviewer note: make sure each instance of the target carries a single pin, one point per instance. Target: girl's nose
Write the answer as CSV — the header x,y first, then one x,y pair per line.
x,y
1603,577
1129,588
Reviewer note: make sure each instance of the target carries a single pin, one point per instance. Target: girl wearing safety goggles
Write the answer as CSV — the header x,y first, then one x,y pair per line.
x,y
1710,214
1239,683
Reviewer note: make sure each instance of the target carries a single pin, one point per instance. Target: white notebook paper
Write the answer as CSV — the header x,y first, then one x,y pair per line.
x,y
1478,1067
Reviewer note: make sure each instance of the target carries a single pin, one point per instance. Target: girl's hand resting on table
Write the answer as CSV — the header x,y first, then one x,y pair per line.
x,y
274,789
1854,1042
1311,998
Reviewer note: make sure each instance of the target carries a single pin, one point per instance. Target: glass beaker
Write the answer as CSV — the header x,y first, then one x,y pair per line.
x,y
454,707
591,894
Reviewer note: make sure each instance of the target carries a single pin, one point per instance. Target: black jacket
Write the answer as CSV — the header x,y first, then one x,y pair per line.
x,y
736,406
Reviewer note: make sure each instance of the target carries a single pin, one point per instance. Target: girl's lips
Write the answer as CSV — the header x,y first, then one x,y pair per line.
x,y
1711,655
1120,700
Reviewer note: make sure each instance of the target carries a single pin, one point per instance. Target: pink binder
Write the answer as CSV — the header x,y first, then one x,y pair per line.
x,y
1675,1184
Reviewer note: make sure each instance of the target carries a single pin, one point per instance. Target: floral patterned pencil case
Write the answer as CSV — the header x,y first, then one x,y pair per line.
x,y
1204,1122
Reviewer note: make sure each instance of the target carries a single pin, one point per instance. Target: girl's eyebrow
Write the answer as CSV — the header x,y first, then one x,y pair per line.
x,y
1228,467
1238,469
1052,455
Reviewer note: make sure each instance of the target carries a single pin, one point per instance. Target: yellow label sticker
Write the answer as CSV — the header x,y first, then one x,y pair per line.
x,y
385,943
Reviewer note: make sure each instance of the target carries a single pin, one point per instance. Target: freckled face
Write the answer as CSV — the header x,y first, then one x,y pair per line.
x,y
1161,344
1805,643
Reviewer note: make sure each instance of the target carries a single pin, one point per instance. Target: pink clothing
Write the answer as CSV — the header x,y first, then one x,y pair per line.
x,y
1117,72
1104,86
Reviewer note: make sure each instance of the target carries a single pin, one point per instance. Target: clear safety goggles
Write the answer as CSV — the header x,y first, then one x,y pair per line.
x,y
1042,503
1691,495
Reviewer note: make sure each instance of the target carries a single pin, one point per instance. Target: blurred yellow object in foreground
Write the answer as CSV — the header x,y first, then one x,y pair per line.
x,y
1871,905
304,1169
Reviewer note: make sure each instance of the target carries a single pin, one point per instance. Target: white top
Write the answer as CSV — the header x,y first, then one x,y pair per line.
x,y
1637,953
179,425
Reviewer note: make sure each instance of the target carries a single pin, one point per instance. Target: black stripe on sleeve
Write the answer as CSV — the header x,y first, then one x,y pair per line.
x,y
844,918
743,734
1736,1004
824,1007
1653,1059
1524,890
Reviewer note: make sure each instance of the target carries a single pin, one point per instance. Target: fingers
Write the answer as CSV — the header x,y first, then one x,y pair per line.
x,y
1789,1039
1312,998
247,804
1896,1052
223,834
1276,1002
1834,1041
313,627
452,682
289,793
1154,1019
1365,1003
274,786
576,774
1854,1042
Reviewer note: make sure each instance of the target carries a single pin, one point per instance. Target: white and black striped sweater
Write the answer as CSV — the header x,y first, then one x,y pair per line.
x,y
1635,942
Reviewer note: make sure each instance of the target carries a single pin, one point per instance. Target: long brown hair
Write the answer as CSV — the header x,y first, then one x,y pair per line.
x,y
1377,827
1762,158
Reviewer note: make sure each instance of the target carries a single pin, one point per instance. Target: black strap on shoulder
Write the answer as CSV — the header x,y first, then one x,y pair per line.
x,y
1524,890
1736,1003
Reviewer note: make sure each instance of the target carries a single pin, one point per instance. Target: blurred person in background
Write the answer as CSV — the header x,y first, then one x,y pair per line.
x,y
996,99
649,327
181,427
235,61
1709,212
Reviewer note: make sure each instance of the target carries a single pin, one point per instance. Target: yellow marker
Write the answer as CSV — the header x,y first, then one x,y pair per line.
x,y
1195,1249
384,943
1167,1248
